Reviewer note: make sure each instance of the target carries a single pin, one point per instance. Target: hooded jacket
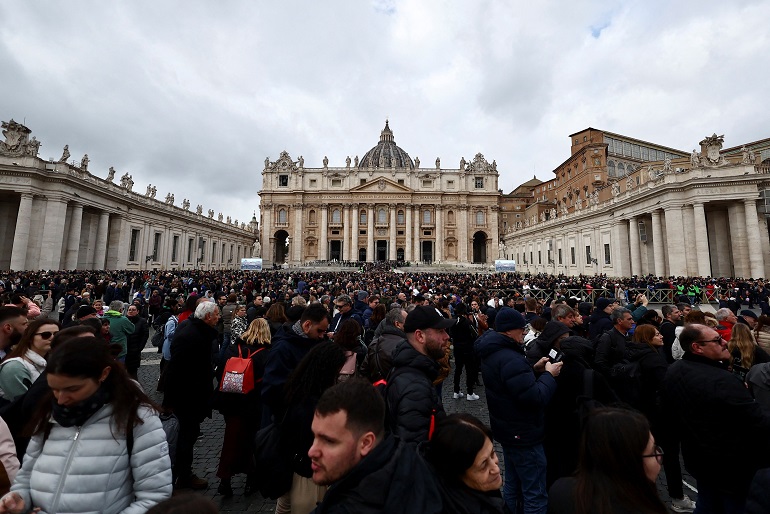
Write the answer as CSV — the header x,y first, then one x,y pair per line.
x,y
411,400
288,348
515,398
653,368
120,328
540,347
379,356
598,323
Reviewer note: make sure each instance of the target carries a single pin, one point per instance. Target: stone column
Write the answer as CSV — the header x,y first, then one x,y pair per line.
x,y
267,234
73,237
677,261
21,236
392,232
657,241
370,257
439,248
691,256
346,232
120,239
756,260
323,245
408,233
102,235
701,240
53,234
417,232
636,254
297,239
462,235
620,258
493,227
738,240
354,232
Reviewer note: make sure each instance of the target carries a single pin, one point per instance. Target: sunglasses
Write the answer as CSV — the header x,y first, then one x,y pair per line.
x,y
45,335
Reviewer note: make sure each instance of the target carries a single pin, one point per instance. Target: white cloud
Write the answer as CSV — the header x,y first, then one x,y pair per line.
x,y
191,95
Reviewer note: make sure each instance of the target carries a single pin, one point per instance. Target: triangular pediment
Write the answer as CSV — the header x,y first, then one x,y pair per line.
x,y
381,185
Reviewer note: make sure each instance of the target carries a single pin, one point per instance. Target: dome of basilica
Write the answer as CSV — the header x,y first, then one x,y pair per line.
x,y
386,154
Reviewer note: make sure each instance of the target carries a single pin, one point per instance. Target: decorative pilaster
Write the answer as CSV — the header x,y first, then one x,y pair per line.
x,y
346,232
439,249
408,233
101,240
392,232
53,234
701,240
636,255
462,237
323,244
675,236
370,257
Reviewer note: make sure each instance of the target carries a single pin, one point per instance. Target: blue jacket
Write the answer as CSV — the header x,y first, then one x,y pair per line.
x,y
287,349
515,397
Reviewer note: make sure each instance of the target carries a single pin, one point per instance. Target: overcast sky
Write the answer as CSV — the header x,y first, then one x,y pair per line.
x,y
193,95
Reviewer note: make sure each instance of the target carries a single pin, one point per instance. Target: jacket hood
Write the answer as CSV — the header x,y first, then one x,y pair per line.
x,y
552,330
493,341
405,355
578,348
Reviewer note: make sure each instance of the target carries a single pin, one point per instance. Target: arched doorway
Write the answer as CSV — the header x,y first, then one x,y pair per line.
x,y
381,250
281,251
362,254
479,248
400,254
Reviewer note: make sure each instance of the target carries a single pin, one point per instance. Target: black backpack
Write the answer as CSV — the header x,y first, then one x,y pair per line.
x,y
626,379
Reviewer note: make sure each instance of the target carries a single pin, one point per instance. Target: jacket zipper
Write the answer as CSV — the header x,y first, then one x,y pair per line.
x,y
63,476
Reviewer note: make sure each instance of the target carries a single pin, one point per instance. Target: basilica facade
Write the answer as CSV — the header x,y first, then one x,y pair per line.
x,y
381,207
59,215
620,206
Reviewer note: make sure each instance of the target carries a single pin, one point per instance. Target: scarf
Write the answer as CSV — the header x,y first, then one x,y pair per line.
x,y
78,414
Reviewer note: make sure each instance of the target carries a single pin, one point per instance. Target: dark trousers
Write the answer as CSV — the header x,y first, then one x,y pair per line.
x,y
189,428
710,501
471,364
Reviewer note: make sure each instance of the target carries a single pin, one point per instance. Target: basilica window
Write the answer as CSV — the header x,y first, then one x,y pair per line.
x,y
382,216
336,216
362,218
621,169
336,182
479,183
282,217
611,168
283,181
426,218
311,217
427,183
400,217
479,218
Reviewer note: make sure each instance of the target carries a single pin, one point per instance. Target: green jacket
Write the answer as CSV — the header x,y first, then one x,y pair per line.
x,y
120,328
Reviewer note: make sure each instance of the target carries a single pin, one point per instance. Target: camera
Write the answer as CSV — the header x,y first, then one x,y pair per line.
x,y
555,356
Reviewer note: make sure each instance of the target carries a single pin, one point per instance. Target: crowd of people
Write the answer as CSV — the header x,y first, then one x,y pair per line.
x,y
590,391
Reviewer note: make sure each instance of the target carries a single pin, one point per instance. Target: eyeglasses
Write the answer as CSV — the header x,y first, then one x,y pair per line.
x,y
45,335
717,340
658,454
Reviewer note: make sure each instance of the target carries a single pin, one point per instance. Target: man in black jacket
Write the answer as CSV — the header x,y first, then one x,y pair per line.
x,y
189,386
364,468
724,430
411,399
611,346
672,316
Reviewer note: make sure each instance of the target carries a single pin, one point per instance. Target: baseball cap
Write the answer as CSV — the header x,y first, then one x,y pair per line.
x,y
425,316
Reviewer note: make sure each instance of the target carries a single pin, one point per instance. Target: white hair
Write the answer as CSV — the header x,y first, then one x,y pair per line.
x,y
723,313
205,308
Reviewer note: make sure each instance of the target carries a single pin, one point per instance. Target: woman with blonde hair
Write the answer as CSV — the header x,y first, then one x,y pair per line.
x,y
242,411
744,349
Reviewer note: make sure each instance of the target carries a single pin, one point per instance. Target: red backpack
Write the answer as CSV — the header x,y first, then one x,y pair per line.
x,y
238,375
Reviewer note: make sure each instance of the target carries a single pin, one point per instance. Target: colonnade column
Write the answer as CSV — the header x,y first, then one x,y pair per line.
x,y
354,232
462,235
408,233
439,249
494,227
297,246
691,257
677,262
53,234
323,245
73,237
416,238
701,240
756,260
346,232
392,231
636,254
100,254
370,257
657,243
620,248
21,236
738,239
267,233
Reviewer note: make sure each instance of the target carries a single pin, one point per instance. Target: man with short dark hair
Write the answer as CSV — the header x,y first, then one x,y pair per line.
x,y
290,344
373,301
411,398
671,319
13,323
352,455
344,305
611,348
600,321
711,407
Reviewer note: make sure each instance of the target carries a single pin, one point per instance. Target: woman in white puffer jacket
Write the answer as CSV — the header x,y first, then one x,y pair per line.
x,y
78,460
